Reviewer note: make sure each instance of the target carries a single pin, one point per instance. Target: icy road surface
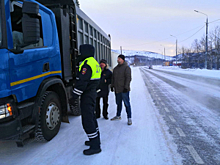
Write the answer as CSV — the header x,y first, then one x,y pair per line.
x,y
146,142
189,101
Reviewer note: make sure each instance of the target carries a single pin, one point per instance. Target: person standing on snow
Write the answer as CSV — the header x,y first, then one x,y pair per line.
x,y
103,89
87,81
121,79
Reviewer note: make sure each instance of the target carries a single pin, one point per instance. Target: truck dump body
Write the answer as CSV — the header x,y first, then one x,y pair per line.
x,y
90,33
76,28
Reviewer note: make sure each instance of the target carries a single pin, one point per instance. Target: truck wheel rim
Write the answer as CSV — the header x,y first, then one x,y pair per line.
x,y
52,116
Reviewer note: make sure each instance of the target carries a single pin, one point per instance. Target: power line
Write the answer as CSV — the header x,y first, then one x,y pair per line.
x,y
192,35
163,39
198,31
190,30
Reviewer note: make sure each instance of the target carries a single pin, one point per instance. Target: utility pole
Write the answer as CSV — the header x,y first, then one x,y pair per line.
x,y
176,48
206,38
121,49
176,52
164,54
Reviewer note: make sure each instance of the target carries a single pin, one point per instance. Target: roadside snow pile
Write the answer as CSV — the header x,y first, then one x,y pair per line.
x,y
199,72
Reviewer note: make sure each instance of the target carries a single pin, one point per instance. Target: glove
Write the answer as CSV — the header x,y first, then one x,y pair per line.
x,y
125,90
112,89
72,101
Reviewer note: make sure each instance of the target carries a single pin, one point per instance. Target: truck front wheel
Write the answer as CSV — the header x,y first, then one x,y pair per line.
x,y
49,118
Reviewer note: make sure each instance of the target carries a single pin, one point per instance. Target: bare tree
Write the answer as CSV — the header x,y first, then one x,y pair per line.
x,y
203,43
214,37
196,46
185,57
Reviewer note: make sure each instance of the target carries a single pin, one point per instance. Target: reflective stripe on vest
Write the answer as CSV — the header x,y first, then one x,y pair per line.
x,y
96,70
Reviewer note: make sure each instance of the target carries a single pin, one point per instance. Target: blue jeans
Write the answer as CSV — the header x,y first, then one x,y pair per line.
x,y
126,100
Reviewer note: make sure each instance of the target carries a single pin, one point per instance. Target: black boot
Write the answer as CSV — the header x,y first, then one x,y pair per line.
x,y
92,151
87,143
105,112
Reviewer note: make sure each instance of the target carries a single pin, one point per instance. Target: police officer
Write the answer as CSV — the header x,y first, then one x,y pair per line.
x,y
87,81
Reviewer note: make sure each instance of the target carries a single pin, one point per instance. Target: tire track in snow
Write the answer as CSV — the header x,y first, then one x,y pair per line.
x,y
190,124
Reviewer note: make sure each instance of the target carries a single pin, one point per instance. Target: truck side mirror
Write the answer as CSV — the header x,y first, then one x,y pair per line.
x,y
30,23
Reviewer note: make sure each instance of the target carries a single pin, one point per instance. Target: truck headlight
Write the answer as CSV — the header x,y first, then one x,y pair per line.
x,y
5,111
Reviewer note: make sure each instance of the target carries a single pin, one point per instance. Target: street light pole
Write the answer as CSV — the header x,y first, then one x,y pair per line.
x,y
176,48
206,38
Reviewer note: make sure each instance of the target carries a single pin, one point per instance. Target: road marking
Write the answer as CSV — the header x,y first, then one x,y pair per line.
x,y
195,154
172,119
166,109
162,104
180,131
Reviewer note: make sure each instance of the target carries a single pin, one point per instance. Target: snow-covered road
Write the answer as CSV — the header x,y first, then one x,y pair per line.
x,y
190,106
146,142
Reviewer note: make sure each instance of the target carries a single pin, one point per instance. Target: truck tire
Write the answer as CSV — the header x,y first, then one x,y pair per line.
x,y
49,118
75,108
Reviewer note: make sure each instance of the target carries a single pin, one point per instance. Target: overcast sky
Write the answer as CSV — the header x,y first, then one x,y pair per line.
x,y
148,24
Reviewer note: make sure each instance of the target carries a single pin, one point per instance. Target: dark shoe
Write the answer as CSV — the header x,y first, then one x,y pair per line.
x,y
97,117
91,151
129,121
106,117
87,143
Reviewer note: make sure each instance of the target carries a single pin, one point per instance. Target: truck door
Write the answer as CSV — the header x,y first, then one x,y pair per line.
x,y
28,68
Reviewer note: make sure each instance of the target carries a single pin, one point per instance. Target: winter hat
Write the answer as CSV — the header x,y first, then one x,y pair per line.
x,y
103,61
122,56
87,50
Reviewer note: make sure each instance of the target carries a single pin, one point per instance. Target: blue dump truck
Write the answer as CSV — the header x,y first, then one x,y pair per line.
x,y
39,43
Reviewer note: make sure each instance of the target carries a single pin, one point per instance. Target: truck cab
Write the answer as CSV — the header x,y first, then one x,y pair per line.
x,y
39,43
31,70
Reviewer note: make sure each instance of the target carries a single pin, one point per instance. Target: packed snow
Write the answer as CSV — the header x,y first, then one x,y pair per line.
x,y
189,104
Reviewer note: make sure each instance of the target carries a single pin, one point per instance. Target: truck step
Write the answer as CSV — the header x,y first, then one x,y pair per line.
x,y
27,128
27,134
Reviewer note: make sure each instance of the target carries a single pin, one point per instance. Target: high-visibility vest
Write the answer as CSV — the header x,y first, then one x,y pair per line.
x,y
96,70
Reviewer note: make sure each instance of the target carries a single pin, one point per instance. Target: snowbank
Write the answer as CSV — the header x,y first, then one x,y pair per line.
x,y
199,72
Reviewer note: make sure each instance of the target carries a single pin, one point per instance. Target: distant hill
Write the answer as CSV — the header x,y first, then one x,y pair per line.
x,y
143,53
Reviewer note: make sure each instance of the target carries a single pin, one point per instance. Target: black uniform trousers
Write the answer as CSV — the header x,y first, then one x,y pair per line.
x,y
105,106
89,122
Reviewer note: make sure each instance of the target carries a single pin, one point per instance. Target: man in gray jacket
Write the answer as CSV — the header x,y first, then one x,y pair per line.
x,y
121,79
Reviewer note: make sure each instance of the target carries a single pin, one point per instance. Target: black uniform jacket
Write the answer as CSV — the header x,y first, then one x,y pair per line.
x,y
83,82
104,85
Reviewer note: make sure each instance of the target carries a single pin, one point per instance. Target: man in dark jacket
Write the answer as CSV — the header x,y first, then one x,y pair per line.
x,y
121,79
103,89
87,81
